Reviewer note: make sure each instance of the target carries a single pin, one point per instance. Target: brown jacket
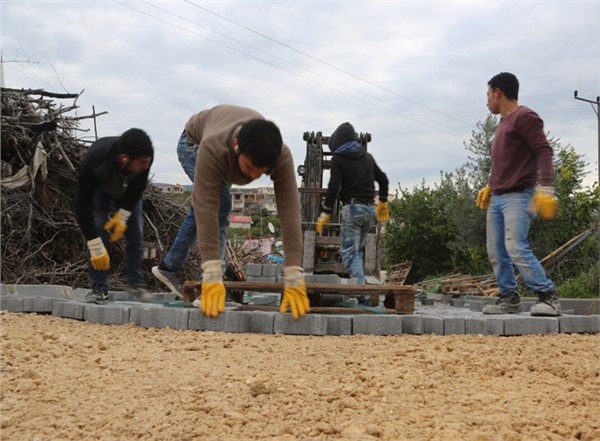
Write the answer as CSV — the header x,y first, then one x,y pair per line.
x,y
214,130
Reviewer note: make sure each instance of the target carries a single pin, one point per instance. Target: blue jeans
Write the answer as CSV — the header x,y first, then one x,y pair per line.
x,y
187,152
509,217
357,220
134,246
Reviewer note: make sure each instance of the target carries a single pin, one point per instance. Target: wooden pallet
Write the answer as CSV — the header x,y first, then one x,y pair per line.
x,y
399,298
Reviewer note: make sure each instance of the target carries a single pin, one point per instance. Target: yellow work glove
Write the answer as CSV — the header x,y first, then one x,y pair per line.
x,y
117,224
212,298
98,255
484,197
294,293
382,211
324,219
545,202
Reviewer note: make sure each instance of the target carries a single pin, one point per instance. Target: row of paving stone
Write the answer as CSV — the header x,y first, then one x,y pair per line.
x,y
456,316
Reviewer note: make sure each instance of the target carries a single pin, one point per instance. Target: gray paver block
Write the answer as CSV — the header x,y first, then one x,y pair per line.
x,y
254,269
11,303
227,321
475,326
71,309
412,324
339,324
310,324
53,291
109,314
579,323
137,309
261,322
174,318
270,270
7,289
454,326
524,325
494,326
433,325
377,324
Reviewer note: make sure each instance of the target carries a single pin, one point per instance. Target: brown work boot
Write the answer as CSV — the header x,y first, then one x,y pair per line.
x,y
548,304
508,303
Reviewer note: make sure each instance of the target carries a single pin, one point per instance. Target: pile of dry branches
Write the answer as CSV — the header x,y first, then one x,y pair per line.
x,y
41,242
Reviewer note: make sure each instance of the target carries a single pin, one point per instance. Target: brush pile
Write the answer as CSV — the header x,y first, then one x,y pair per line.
x,y
41,243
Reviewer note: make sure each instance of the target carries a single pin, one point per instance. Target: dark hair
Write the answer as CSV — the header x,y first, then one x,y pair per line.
x,y
260,140
507,83
135,143
345,133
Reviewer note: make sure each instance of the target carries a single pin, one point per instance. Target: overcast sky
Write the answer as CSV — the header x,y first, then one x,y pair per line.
x,y
411,73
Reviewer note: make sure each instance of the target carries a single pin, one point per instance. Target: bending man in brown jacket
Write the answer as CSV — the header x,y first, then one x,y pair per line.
x,y
219,147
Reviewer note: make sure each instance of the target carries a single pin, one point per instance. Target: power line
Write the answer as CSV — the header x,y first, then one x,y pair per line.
x,y
440,127
385,89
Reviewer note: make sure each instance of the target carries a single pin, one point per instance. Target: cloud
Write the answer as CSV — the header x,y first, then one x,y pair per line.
x,y
413,74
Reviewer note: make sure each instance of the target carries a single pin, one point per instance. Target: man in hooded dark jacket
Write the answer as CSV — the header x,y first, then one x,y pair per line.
x,y
352,177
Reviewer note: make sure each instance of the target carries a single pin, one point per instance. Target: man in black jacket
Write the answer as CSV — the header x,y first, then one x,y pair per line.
x,y
353,173
115,169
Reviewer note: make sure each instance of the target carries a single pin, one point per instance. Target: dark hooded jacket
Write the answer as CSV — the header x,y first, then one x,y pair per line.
x,y
98,171
353,171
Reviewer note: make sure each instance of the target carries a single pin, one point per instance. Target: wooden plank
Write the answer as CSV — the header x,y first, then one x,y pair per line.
x,y
317,309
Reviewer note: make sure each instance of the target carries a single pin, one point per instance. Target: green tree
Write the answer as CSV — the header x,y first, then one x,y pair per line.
x,y
480,146
420,231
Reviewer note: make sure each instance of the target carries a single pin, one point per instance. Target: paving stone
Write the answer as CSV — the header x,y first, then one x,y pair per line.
x,y
494,326
581,306
270,270
109,314
377,324
579,323
11,303
53,291
254,269
174,318
475,326
412,324
137,310
261,322
71,309
310,324
7,289
524,325
227,321
454,326
433,325
339,324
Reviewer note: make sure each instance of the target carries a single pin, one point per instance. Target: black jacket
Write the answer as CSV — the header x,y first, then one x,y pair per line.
x,y
353,173
99,171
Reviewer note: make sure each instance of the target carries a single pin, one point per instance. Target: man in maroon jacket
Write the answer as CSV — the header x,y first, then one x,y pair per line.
x,y
521,159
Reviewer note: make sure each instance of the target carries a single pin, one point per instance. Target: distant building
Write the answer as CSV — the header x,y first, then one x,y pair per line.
x,y
246,201
170,188
240,221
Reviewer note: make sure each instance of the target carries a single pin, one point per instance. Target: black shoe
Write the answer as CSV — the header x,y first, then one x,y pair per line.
x,y
97,295
139,293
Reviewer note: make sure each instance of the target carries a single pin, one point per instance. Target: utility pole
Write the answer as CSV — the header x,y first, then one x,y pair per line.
x,y
596,109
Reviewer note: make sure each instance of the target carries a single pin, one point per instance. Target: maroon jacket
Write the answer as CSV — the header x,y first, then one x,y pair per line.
x,y
520,150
